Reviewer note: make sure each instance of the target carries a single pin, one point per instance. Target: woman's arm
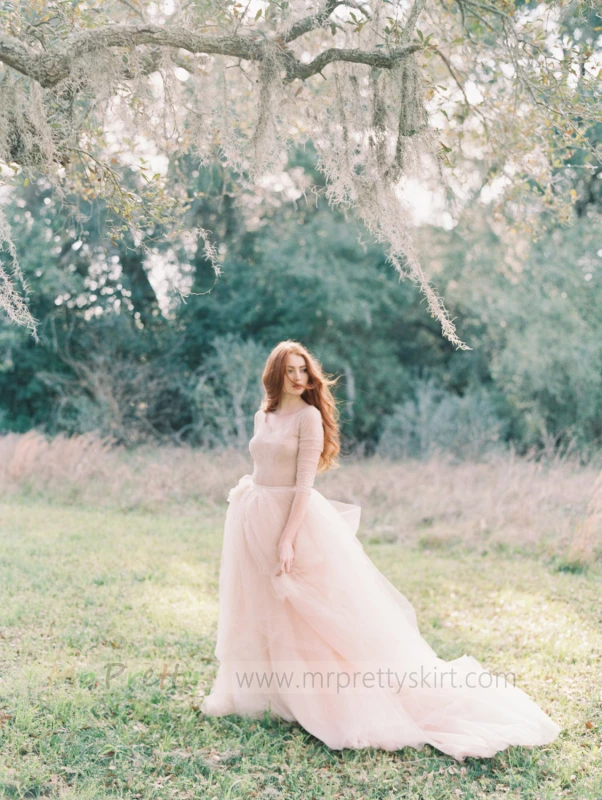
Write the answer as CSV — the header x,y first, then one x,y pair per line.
x,y
311,444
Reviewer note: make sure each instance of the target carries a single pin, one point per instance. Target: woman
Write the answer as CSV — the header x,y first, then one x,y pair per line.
x,y
308,627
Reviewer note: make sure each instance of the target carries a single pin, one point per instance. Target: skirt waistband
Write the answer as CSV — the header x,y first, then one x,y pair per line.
x,y
272,488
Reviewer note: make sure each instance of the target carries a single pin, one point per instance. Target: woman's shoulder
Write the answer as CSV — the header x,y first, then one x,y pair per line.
x,y
310,421
311,411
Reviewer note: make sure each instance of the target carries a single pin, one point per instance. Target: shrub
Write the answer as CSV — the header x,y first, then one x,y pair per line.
x,y
437,420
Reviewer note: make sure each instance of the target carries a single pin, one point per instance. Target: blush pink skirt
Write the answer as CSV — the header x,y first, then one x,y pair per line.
x,y
334,646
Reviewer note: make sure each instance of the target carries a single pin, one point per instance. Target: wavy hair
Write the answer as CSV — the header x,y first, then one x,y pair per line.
x,y
316,394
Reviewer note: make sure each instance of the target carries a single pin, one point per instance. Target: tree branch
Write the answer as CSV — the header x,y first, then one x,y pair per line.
x,y
460,86
318,19
408,30
373,58
52,66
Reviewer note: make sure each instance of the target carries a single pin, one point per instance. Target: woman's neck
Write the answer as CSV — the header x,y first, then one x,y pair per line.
x,y
288,405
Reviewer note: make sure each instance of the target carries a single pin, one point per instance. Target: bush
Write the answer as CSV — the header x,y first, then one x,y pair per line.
x,y
437,420
226,391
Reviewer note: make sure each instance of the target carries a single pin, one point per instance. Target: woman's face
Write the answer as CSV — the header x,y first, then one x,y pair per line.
x,y
296,376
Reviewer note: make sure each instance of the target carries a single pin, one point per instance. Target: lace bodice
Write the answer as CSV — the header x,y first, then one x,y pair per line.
x,y
286,448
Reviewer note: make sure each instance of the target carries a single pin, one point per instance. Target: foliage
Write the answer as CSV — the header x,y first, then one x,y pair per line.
x,y
438,421
93,90
122,352
226,392
531,309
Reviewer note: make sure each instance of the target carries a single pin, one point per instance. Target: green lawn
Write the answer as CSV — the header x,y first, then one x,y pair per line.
x,y
100,608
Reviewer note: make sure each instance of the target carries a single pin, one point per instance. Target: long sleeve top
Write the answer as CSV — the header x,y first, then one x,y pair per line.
x,y
286,451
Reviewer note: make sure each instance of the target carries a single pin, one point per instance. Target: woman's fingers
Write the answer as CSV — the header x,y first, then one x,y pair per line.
x,y
285,566
286,557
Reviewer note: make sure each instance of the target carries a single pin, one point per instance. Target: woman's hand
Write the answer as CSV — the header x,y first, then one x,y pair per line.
x,y
286,556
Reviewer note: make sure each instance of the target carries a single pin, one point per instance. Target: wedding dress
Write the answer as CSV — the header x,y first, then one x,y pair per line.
x,y
280,636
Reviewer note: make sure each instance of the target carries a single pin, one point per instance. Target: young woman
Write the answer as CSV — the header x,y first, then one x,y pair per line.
x,y
308,627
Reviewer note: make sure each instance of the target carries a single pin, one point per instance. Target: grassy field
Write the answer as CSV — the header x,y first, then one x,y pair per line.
x,y
107,629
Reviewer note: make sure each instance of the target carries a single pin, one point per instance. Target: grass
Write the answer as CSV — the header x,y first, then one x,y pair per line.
x,y
551,508
84,588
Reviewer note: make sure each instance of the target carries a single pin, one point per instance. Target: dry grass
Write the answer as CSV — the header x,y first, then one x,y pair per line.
x,y
88,470
587,537
517,503
505,503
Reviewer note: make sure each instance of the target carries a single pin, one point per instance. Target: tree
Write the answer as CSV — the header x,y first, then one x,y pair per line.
x,y
87,88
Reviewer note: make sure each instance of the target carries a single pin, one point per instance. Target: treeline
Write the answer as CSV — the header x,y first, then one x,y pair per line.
x,y
140,341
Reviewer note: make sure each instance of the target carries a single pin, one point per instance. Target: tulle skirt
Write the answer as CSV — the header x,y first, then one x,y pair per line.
x,y
334,646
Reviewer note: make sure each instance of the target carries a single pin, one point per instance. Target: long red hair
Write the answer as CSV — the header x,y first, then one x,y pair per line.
x,y
316,394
